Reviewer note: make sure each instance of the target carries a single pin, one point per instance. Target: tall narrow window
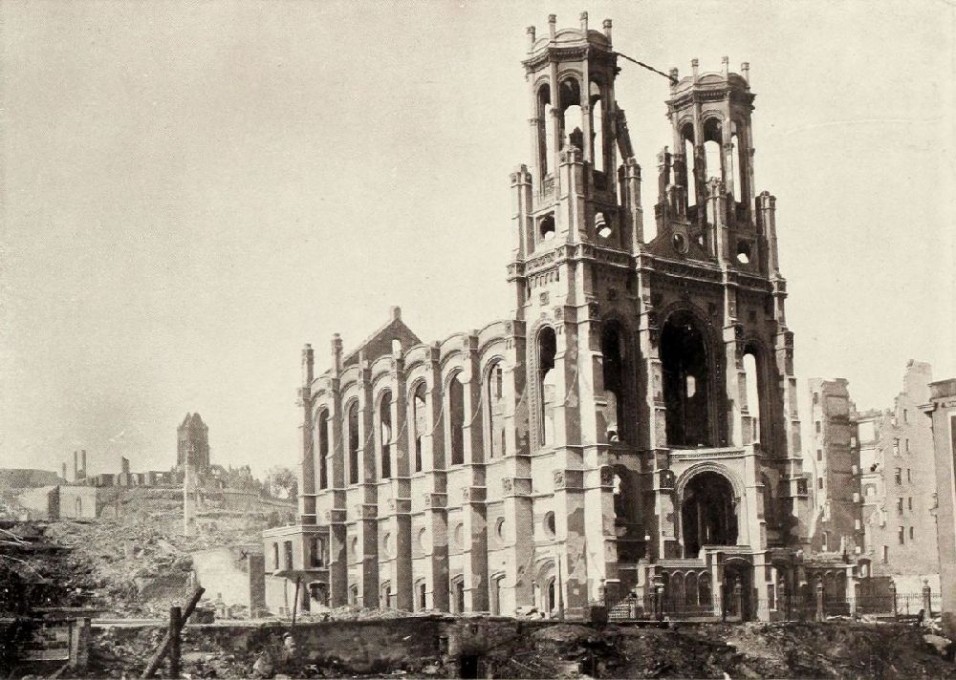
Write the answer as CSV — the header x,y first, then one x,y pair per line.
x,y
690,159
385,434
324,449
738,169
545,131
354,440
456,420
598,143
420,423
753,392
614,361
496,417
547,350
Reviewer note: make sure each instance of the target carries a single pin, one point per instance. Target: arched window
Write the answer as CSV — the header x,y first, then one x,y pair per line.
x,y
686,382
323,428
456,419
546,228
385,434
547,350
354,439
494,394
420,422
713,159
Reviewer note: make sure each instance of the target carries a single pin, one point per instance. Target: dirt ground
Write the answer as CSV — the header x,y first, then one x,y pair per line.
x,y
754,650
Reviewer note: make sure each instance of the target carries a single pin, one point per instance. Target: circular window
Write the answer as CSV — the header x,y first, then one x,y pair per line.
x,y
679,242
549,526
423,540
460,535
500,529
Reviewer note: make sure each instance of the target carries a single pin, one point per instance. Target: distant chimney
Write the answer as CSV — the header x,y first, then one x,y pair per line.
x,y
124,462
76,466
64,472
83,460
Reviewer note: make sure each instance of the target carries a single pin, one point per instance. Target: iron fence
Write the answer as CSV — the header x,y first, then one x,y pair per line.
x,y
801,607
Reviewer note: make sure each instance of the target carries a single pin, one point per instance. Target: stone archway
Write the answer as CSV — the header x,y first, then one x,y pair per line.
x,y
708,506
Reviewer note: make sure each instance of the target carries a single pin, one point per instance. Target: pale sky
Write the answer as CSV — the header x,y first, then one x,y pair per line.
x,y
192,191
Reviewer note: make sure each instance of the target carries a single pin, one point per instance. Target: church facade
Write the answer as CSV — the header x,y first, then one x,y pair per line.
x,y
630,431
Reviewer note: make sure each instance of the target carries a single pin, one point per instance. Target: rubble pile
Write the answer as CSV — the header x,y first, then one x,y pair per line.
x,y
138,561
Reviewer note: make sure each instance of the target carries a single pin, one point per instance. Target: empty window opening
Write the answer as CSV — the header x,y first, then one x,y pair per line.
x,y
602,226
319,558
421,596
572,118
456,420
354,440
743,252
551,599
615,368
683,355
496,588
385,434
324,449
545,131
599,143
420,422
547,350
496,411
713,160
708,513
275,556
752,383
901,535
458,595
546,228
911,534
736,167
690,175
353,594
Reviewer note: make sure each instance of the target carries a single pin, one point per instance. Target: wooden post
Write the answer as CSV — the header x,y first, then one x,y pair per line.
x,y
164,647
175,625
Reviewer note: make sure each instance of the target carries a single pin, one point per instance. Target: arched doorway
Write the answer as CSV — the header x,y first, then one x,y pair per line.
x,y
687,385
708,512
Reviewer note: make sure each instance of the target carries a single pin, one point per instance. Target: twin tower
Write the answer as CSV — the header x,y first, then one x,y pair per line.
x,y
631,429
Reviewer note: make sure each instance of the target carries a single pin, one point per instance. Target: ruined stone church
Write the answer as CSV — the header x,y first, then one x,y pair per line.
x,y
631,430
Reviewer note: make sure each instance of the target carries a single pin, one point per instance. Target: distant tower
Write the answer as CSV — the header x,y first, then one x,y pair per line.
x,y
193,443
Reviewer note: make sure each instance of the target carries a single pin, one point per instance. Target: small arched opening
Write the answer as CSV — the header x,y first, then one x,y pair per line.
x,y
686,382
754,383
708,512
572,118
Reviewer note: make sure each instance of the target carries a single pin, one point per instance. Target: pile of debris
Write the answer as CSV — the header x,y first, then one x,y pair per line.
x,y
138,562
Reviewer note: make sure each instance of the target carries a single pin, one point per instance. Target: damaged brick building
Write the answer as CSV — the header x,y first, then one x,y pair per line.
x,y
632,428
